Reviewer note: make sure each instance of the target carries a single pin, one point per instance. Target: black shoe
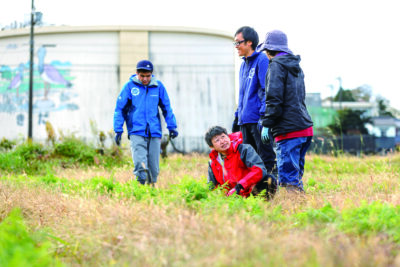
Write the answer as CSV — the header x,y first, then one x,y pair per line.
x,y
267,184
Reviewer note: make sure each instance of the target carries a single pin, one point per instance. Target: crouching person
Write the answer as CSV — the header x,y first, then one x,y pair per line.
x,y
236,166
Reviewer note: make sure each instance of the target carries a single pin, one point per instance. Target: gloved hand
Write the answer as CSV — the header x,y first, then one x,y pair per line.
x,y
118,138
173,133
235,126
265,135
236,189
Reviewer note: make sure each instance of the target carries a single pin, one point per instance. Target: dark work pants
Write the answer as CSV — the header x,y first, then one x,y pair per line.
x,y
251,135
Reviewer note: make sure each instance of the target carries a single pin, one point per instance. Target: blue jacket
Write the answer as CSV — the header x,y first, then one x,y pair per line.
x,y
252,73
137,105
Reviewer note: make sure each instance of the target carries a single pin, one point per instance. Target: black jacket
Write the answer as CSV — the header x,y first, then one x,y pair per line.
x,y
286,109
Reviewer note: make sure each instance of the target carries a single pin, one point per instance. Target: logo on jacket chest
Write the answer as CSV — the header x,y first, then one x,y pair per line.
x,y
135,91
252,72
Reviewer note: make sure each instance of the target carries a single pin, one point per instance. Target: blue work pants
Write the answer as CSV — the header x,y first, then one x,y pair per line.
x,y
291,159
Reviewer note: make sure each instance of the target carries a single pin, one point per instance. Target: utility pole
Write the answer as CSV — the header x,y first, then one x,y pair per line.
x,y
340,92
31,73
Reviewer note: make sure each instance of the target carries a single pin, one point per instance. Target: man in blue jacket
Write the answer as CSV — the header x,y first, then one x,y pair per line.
x,y
251,106
137,105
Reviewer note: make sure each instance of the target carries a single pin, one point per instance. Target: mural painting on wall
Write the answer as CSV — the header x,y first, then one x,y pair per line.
x,y
52,89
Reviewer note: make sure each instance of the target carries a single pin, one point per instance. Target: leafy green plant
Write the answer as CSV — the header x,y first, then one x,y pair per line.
x,y
19,247
373,218
74,148
326,214
31,151
34,158
6,144
27,157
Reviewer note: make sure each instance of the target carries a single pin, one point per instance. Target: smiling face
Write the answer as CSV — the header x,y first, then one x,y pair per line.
x,y
144,77
244,48
221,143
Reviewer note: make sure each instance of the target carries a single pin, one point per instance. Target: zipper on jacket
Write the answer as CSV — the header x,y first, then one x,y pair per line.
x,y
147,131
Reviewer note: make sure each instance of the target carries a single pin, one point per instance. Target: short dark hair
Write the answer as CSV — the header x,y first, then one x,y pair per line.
x,y
213,131
272,52
249,34
143,71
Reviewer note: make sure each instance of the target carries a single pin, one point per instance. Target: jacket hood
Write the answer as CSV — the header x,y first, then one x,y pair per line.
x,y
236,140
153,81
290,62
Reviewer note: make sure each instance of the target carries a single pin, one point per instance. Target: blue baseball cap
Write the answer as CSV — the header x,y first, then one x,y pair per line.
x,y
275,40
144,65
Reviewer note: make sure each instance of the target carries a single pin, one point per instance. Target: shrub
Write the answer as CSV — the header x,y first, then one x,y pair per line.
x,y
74,148
6,144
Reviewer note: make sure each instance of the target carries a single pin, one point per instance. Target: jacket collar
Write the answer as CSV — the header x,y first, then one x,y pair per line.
x,y
252,57
153,81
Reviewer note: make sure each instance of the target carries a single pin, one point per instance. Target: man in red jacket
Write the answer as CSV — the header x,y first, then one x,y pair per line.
x,y
236,166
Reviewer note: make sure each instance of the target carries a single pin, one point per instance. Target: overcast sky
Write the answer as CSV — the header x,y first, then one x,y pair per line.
x,y
357,40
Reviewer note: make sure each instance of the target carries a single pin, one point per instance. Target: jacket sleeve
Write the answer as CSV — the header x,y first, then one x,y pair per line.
x,y
120,112
275,90
211,180
165,106
253,161
262,73
241,91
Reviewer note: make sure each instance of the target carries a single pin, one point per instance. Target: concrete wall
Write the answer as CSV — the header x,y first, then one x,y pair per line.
x,y
134,46
198,72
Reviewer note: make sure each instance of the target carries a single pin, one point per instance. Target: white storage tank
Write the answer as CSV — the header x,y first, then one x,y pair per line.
x,y
79,71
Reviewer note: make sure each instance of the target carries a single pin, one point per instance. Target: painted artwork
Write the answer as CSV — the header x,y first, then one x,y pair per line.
x,y
53,88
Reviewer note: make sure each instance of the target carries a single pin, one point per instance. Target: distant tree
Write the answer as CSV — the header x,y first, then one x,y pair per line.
x,y
350,122
344,95
383,106
362,93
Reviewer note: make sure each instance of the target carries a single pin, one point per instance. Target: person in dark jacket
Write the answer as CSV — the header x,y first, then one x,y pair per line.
x,y
236,166
286,113
251,105
138,105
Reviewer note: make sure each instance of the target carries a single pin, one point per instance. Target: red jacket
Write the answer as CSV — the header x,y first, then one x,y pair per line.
x,y
242,165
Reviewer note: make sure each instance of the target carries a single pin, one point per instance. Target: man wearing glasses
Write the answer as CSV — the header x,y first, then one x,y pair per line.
x,y
251,106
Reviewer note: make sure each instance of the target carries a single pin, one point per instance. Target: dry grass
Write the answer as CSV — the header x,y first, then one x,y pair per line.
x,y
104,231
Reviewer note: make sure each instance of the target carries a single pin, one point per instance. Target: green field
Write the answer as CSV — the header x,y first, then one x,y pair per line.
x,y
68,204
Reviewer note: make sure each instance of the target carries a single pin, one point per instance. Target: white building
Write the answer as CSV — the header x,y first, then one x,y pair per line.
x,y
370,108
89,65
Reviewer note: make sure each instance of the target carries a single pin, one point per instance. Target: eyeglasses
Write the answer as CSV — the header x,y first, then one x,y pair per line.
x,y
238,42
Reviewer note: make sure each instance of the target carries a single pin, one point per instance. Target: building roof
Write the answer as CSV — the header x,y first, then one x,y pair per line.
x,y
346,104
385,121
111,28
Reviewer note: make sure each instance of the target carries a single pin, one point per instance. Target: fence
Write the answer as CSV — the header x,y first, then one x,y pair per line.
x,y
352,144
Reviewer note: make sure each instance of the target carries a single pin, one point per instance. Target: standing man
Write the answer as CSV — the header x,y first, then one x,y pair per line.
x,y
137,105
286,114
251,107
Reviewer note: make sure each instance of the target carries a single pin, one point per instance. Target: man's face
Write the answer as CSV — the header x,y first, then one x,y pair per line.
x,y
221,143
244,47
144,77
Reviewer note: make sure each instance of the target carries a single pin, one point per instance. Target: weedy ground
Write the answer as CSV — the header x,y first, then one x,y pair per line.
x,y
91,215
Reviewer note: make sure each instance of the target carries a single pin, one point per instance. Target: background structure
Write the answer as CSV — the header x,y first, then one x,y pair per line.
x,y
79,71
